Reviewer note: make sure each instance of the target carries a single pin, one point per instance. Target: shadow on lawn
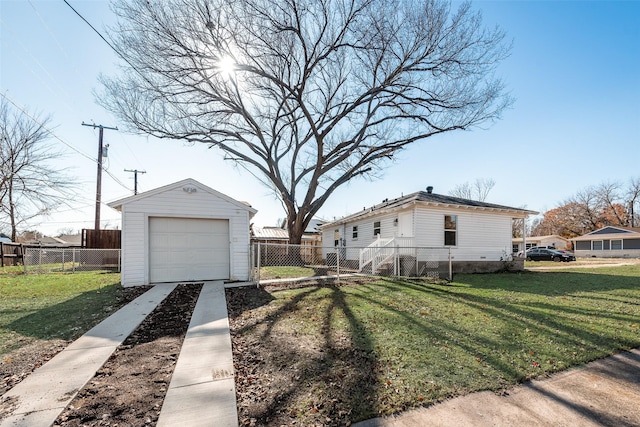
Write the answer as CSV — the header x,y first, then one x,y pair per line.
x,y
326,377
480,332
69,319
562,312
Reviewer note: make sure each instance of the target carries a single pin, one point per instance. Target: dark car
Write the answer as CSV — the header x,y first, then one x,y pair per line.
x,y
543,254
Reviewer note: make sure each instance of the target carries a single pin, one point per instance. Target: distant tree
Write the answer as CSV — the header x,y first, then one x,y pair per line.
x,y
633,201
478,190
29,185
594,207
306,95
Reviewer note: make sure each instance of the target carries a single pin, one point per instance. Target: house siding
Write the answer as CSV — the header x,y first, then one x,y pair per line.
x,y
480,236
630,247
180,204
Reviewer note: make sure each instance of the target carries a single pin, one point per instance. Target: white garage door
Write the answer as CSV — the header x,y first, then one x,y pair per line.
x,y
187,249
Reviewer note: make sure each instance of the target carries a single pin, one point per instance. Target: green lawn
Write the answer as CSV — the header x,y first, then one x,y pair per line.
x,y
283,272
50,306
396,344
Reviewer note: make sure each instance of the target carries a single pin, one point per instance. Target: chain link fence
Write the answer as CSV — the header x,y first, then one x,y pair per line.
x,y
70,260
281,262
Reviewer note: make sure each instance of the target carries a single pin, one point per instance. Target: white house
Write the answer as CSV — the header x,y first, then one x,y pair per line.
x,y
477,235
609,242
183,231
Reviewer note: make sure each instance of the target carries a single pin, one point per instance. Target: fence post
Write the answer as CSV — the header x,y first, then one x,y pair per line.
x,y
73,260
119,255
396,260
63,260
338,262
450,267
258,264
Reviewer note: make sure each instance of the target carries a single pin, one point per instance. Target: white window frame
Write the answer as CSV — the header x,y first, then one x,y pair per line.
x,y
451,230
377,230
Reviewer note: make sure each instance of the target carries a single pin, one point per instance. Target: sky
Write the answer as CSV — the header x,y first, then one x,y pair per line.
x,y
574,71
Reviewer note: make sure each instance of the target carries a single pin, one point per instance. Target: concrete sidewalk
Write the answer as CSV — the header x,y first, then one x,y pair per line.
x,y
202,388
603,393
40,398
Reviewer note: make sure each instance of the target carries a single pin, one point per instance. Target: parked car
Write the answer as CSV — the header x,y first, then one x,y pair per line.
x,y
543,254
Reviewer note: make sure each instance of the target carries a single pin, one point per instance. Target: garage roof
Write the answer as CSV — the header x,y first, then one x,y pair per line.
x,y
188,185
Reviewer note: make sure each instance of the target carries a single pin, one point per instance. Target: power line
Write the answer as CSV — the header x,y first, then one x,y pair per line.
x,y
135,178
103,38
99,180
26,113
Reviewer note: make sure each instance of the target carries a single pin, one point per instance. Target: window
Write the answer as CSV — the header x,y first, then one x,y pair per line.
x,y
336,238
450,227
616,245
515,248
596,245
376,228
354,232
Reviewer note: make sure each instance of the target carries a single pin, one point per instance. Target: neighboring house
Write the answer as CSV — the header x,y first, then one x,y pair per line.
x,y
58,242
275,235
312,233
310,245
609,242
4,238
554,240
477,234
183,232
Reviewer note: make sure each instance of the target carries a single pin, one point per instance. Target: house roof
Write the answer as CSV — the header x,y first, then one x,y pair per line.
x,y
430,199
280,233
540,238
270,233
73,239
611,232
185,184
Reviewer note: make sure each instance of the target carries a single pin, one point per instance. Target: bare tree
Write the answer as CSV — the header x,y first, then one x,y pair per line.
x,y
478,190
305,95
633,200
29,186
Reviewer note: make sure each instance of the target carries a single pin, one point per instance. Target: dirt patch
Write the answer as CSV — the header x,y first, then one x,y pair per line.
x,y
130,387
286,377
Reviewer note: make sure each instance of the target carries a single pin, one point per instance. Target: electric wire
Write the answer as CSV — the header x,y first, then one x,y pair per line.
x,y
26,113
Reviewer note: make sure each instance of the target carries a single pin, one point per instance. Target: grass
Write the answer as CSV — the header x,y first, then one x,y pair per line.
x,y
283,272
52,306
394,344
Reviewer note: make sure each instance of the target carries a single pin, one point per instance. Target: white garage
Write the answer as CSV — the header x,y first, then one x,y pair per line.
x,y
183,232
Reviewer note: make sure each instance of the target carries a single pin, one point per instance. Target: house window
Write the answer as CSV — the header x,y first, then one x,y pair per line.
x,y
336,237
450,227
616,245
596,245
376,228
515,248
354,232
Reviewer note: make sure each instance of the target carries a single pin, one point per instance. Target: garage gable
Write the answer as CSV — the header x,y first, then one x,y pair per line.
x,y
184,231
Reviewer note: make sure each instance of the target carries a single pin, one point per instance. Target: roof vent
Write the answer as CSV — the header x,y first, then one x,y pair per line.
x,y
429,189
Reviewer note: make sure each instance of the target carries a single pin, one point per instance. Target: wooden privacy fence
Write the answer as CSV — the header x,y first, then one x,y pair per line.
x,y
11,253
101,239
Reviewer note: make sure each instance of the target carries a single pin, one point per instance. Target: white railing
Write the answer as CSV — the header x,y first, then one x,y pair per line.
x,y
382,251
368,254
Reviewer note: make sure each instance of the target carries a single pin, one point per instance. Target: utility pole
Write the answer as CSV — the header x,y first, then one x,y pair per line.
x,y
135,178
99,180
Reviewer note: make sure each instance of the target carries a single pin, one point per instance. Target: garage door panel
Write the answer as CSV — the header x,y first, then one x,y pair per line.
x,y
185,249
